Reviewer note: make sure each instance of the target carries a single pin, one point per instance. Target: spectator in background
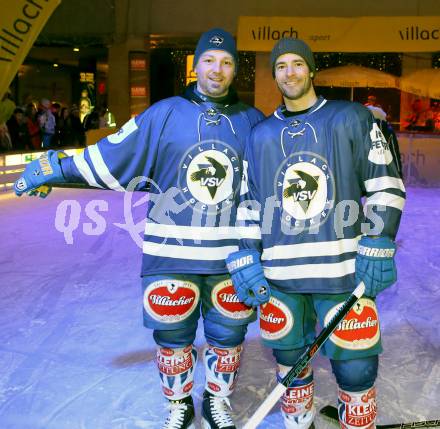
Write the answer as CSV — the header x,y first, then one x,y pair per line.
x,y
78,136
56,111
85,105
64,128
420,119
33,127
110,118
7,107
5,140
376,108
18,130
47,123
436,115
91,121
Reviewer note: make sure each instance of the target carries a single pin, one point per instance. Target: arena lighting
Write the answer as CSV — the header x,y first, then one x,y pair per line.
x,y
75,49
55,64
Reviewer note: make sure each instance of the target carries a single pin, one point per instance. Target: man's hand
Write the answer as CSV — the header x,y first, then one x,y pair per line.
x,y
39,173
375,264
248,278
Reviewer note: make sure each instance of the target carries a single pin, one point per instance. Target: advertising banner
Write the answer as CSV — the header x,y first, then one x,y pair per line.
x,y
20,23
330,34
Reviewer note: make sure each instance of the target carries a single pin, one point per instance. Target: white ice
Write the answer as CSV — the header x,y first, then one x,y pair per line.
x,y
74,354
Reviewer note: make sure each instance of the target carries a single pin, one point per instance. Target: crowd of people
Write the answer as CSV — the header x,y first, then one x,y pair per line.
x,y
422,118
45,125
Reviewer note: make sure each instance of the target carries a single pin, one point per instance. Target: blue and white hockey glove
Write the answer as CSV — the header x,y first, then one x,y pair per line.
x,y
248,278
375,264
39,173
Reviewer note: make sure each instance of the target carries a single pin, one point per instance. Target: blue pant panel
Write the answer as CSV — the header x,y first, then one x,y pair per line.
x,y
287,357
176,338
356,375
221,335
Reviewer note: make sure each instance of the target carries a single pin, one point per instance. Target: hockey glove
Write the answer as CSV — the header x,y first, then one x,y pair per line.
x,y
39,173
375,264
248,278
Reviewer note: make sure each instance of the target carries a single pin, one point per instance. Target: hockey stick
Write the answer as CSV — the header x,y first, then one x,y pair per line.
x,y
72,186
331,413
303,360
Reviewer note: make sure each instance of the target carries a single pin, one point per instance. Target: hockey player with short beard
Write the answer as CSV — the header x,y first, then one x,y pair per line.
x,y
189,149
308,167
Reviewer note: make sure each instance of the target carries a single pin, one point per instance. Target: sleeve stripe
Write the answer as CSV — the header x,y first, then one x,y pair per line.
x,y
310,271
202,233
85,170
188,252
247,214
386,199
384,182
308,250
248,232
102,170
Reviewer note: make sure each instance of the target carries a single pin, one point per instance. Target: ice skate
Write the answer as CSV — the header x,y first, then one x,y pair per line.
x,y
216,412
181,414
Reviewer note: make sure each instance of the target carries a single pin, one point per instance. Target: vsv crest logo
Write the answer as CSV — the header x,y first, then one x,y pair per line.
x,y
305,187
210,175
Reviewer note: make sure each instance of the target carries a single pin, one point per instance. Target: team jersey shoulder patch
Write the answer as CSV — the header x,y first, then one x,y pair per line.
x,y
380,152
128,128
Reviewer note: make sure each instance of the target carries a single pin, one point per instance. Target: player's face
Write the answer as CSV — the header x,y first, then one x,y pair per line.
x,y
215,72
293,76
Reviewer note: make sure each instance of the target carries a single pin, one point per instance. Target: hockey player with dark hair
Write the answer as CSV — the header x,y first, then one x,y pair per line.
x,y
308,167
188,149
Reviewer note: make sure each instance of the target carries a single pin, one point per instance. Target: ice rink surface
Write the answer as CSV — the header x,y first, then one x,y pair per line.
x,y
74,354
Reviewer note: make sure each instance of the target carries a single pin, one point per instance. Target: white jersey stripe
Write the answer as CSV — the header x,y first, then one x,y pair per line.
x,y
307,250
244,213
310,271
384,182
102,169
202,232
85,170
188,252
386,199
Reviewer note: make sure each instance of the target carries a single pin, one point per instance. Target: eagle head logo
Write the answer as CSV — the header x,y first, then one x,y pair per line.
x,y
210,175
302,189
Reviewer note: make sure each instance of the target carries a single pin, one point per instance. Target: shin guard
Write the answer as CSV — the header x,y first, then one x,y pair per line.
x,y
176,371
297,402
357,410
221,367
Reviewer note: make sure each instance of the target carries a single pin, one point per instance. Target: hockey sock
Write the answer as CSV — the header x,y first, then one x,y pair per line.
x,y
221,366
176,371
357,410
297,402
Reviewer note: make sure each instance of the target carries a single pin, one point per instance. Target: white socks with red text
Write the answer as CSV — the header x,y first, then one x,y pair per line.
x,y
221,369
297,402
357,410
176,370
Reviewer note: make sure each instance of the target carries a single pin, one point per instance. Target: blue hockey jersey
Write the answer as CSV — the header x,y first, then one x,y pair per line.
x,y
188,150
305,178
